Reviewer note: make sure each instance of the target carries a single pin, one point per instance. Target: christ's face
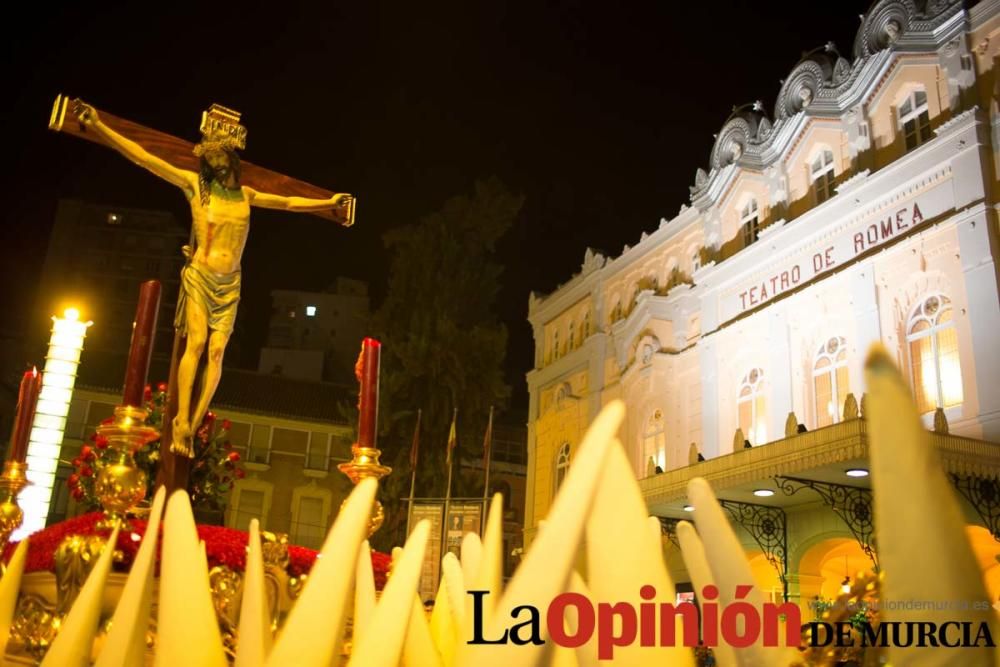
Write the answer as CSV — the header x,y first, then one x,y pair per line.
x,y
220,164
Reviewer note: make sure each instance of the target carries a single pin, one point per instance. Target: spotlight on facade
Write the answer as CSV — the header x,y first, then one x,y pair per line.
x,y
689,508
856,472
763,493
845,585
45,441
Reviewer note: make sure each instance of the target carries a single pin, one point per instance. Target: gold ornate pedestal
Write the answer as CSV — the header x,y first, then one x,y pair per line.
x,y
121,485
365,464
12,481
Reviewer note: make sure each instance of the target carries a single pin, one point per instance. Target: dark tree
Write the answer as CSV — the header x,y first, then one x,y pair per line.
x,y
444,346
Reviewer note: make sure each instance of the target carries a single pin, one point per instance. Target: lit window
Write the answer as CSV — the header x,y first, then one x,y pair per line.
x,y
291,313
914,119
752,407
654,441
750,222
830,381
933,347
114,219
562,467
310,311
821,172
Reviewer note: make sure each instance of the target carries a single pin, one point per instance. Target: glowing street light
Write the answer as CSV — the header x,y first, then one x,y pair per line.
x,y
45,441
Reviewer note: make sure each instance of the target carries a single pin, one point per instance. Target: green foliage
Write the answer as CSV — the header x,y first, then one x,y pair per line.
x,y
444,346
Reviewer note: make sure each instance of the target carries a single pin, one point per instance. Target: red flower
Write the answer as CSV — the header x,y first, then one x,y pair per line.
x,y
109,420
101,442
86,471
77,462
87,454
77,493
73,480
226,424
161,387
234,456
147,394
239,473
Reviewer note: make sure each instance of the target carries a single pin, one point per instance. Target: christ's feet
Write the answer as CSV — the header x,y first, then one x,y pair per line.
x,y
181,443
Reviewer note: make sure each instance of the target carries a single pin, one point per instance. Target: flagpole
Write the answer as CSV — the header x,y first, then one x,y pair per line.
x,y
488,454
413,471
447,497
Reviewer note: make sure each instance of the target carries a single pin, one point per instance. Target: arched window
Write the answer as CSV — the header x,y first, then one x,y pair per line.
x,y
750,222
821,174
562,467
571,345
752,407
914,119
933,347
654,441
830,382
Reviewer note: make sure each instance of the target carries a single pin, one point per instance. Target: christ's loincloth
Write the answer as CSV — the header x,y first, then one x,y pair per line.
x,y
217,295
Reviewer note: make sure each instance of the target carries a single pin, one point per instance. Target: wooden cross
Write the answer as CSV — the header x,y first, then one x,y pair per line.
x,y
174,469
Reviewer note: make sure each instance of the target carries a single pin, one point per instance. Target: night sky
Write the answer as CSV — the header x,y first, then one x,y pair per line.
x,y
598,112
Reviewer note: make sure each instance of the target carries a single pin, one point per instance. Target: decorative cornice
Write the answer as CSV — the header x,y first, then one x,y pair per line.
x,y
797,455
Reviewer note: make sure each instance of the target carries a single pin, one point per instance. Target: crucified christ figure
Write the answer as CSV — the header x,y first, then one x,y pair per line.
x,y
210,280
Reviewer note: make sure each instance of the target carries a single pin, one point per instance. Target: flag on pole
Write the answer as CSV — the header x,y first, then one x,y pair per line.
x,y
452,437
487,446
415,445
488,441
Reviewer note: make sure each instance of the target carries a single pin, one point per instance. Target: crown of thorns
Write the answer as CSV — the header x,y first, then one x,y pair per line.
x,y
210,145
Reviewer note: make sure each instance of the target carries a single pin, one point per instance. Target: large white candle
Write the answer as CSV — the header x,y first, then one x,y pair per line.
x,y
255,623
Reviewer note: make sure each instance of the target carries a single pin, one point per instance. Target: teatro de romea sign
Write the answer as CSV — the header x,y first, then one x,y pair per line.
x,y
814,260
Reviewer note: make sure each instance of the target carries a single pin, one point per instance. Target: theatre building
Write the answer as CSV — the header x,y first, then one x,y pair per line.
x,y
861,207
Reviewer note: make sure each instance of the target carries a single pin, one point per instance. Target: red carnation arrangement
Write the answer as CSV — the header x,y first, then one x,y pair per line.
x,y
214,470
223,546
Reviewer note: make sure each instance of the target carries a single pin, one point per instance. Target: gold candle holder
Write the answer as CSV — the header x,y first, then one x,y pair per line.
x,y
120,485
12,481
365,464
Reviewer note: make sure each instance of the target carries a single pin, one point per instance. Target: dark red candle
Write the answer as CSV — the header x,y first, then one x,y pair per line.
x,y
27,401
367,373
143,334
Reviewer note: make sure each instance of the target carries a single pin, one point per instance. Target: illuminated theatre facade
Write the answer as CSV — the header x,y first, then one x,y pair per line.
x,y
862,210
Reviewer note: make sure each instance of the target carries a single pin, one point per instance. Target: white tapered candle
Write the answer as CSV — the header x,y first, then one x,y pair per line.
x,y
75,642
255,618
364,593
187,628
126,642
10,586
392,613
321,609
910,484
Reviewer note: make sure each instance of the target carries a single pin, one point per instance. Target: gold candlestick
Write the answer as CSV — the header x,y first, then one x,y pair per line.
x,y
366,464
120,485
12,481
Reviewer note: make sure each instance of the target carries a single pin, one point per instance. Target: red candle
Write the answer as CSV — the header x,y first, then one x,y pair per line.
x,y
367,372
143,333
27,400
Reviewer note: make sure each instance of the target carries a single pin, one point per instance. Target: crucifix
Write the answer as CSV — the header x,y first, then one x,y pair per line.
x,y
220,189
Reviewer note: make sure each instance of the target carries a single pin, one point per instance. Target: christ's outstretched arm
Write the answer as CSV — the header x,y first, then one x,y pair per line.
x,y
298,204
182,178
